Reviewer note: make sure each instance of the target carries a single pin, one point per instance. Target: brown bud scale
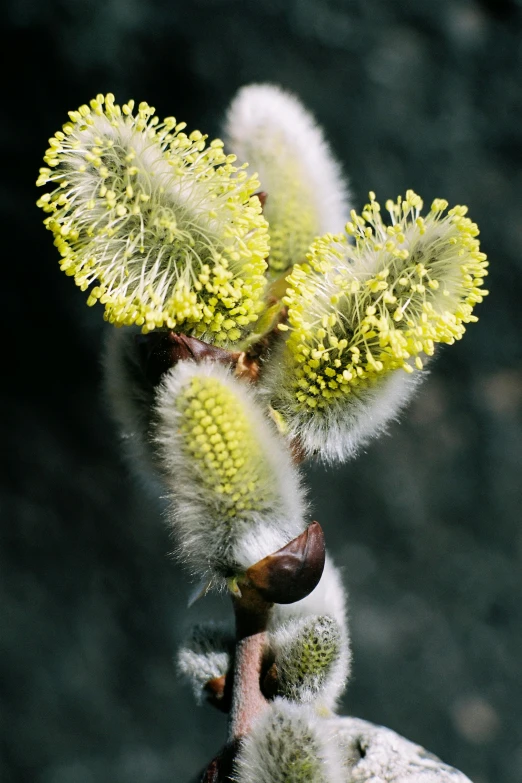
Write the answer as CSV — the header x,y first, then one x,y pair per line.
x,y
292,572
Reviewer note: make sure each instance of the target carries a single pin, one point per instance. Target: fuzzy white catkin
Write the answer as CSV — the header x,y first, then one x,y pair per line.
x,y
312,658
205,655
340,432
290,744
307,194
131,399
375,754
287,624
223,524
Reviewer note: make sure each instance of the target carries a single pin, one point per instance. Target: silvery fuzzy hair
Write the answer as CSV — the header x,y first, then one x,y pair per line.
x,y
235,496
289,743
306,192
205,655
340,432
310,641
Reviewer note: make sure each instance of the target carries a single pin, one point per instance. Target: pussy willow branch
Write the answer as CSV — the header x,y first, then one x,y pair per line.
x,y
251,615
251,610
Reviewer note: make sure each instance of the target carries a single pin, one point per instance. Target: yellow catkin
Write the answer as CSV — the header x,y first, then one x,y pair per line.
x,y
357,311
217,437
160,226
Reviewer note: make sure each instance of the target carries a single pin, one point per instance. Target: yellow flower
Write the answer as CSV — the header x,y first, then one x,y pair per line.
x,y
217,438
358,311
164,225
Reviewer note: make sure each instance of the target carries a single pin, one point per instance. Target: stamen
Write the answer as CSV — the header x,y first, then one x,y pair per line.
x,y
167,227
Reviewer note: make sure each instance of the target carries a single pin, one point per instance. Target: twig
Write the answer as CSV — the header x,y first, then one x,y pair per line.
x,y
252,613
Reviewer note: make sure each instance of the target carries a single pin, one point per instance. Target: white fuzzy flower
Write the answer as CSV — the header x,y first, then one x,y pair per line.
x,y
205,655
311,657
131,399
280,139
290,744
319,623
236,496
375,754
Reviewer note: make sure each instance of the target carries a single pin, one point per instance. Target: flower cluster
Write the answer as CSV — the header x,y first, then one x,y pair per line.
x,y
169,235
164,230
308,645
358,311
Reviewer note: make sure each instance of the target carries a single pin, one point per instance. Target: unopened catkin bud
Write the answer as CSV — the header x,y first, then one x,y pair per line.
x,y
289,744
312,660
306,192
205,655
235,496
310,642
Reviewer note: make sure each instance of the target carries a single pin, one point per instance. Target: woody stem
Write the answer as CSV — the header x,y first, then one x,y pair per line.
x,y
252,613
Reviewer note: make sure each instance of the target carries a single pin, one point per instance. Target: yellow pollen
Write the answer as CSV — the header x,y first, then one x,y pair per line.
x,y
221,444
175,240
387,306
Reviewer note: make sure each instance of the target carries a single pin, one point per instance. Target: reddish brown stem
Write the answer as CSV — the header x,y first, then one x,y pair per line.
x,y
289,574
248,702
252,613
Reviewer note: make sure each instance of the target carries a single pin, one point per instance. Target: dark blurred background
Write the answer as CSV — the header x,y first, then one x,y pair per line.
x,y
425,524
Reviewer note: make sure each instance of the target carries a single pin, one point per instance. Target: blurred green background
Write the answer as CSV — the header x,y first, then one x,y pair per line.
x,y
425,524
